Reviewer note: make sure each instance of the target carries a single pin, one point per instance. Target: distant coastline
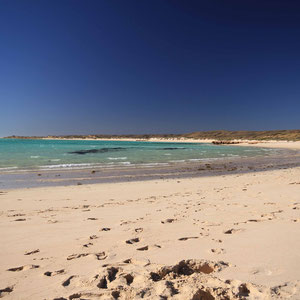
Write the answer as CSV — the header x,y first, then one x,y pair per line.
x,y
275,135
289,139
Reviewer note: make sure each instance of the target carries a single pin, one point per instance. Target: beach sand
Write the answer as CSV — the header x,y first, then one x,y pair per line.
x,y
255,143
234,236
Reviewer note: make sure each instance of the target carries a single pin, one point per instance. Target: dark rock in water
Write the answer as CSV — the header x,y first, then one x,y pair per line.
x,y
101,150
172,148
225,142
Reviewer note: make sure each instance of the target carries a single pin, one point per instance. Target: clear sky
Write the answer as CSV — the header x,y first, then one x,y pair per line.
x,y
115,66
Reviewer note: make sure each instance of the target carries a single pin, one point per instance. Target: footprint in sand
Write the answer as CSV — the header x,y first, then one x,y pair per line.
x,y
145,248
17,215
19,220
93,237
92,219
168,221
68,281
23,268
218,241
32,252
295,220
132,241
6,291
188,238
218,251
48,273
98,256
52,221
111,274
143,262
75,256
105,229
138,229
232,230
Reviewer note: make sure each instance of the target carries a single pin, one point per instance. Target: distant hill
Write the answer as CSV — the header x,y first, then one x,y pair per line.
x,y
283,135
288,135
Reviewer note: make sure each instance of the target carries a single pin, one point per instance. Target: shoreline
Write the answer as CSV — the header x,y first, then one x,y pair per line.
x,y
192,169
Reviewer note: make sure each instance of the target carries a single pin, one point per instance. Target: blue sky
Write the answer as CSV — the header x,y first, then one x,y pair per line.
x,y
80,67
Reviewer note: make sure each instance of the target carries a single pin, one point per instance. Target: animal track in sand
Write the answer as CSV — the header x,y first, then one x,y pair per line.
x,y
188,238
32,252
133,241
48,273
23,268
6,291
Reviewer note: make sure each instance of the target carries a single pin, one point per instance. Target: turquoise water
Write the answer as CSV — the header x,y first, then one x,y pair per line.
x,y
18,154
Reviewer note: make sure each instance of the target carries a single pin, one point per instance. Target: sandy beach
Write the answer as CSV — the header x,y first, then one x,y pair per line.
x,y
149,150
230,236
253,143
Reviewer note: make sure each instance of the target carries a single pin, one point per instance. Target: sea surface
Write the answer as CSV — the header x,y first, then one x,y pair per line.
x,y
18,154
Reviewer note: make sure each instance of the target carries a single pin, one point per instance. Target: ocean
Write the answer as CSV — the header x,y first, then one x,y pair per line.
x,y
26,154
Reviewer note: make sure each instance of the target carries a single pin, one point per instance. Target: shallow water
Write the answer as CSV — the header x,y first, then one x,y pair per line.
x,y
18,154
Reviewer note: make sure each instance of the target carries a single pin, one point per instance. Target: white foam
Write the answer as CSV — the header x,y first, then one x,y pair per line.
x,y
117,158
34,156
195,159
66,166
8,168
179,160
154,164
